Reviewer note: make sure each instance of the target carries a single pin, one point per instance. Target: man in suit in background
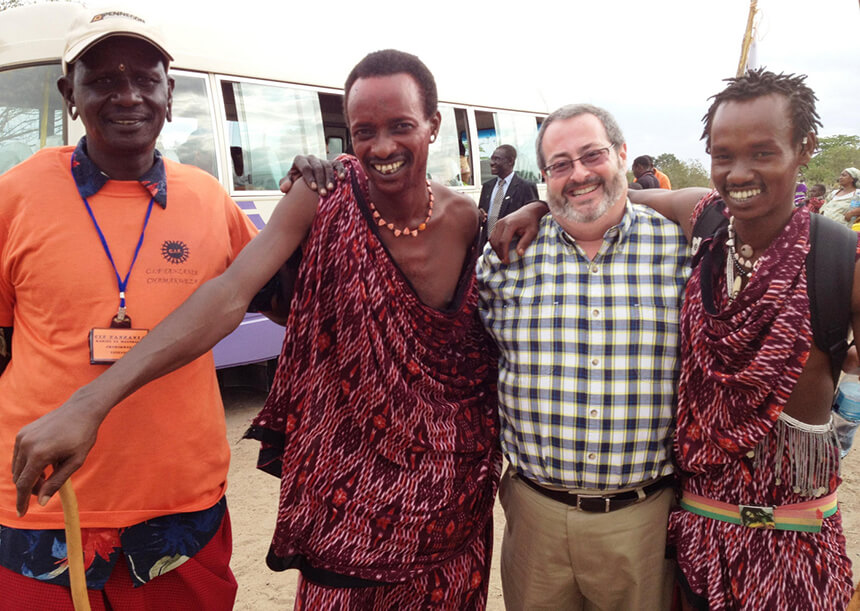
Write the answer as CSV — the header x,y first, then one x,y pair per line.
x,y
505,193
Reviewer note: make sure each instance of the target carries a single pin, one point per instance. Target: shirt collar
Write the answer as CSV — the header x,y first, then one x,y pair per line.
x,y
89,179
615,234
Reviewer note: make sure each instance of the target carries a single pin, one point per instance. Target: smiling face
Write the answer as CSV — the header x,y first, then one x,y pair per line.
x,y
123,96
585,194
390,134
754,159
501,163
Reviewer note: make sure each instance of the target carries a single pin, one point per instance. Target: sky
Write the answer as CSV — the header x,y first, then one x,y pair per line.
x,y
652,64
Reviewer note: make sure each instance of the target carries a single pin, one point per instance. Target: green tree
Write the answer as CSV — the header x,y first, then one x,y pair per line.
x,y
835,153
690,173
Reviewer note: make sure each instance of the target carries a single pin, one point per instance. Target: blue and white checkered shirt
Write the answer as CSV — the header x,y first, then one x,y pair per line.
x,y
589,351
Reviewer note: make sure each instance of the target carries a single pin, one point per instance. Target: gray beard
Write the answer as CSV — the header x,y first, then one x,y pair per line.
x,y
560,208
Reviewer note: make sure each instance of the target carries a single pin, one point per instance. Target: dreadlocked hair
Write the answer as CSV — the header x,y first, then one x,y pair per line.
x,y
760,82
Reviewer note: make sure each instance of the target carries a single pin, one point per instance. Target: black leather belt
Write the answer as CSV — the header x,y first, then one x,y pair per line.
x,y
600,503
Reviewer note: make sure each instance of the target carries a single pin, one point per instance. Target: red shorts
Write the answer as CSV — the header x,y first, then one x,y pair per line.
x,y
202,582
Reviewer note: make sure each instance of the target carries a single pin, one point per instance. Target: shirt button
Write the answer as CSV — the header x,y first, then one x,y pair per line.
x,y
592,456
595,313
593,413
595,269
595,362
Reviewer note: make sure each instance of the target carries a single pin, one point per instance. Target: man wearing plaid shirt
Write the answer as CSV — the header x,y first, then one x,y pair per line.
x,y
587,325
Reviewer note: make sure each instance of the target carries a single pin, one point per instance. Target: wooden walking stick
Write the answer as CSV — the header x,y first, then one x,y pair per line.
x,y
854,603
74,547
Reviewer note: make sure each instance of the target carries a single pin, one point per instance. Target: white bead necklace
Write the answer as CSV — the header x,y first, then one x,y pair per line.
x,y
738,261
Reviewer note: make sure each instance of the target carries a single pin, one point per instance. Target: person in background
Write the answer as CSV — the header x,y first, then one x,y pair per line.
x,y
465,165
843,204
800,191
662,178
643,170
507,192
665,183
100,242
815,198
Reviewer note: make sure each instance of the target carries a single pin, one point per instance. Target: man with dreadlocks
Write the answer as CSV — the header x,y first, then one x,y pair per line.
x,y
757,526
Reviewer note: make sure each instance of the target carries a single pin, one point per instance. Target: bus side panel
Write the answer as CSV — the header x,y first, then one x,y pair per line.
x,y
256,339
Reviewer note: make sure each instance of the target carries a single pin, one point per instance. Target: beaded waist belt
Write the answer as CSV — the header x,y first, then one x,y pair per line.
x,y
806,516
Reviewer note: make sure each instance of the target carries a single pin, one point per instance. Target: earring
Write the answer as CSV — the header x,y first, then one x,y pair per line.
x,y
73,110
432,138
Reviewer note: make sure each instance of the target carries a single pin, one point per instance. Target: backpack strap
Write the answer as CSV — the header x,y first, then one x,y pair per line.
x,y
710,222
830,281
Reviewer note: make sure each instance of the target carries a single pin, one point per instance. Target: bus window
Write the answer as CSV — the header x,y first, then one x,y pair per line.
x,y
189,137
443,163
464,145
268,126
485,122
31,112
334,146
334,125
514,128
520,130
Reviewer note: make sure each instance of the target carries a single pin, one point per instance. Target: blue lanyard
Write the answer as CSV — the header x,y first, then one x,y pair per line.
x,y
122,283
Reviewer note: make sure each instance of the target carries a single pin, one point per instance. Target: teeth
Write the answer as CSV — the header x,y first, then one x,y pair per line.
x,y
742,195
585,190
388,168
126,122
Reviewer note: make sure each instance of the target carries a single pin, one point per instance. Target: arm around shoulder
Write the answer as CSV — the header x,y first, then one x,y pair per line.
x,y
677,206
522,224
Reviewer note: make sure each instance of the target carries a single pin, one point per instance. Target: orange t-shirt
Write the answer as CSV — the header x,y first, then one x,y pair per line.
x,y
163,450
662,179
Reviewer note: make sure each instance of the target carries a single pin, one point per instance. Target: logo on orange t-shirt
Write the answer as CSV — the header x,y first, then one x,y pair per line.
x,y
174,251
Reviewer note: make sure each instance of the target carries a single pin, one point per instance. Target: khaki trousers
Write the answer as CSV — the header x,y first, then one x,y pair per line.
x,y
556,557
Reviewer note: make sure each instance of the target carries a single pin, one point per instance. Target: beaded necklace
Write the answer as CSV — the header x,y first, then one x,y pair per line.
x,y
738,261
406,230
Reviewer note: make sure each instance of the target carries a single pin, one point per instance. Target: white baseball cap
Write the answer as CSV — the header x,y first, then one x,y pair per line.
x,y
90,28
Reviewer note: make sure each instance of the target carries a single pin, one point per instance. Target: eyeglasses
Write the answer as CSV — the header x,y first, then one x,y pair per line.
x,y
589,160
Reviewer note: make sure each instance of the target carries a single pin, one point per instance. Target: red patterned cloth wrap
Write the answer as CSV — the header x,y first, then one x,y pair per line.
x,y
382,420
739,367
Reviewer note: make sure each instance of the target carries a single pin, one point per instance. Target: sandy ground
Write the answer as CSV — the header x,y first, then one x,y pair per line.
x,y
253,495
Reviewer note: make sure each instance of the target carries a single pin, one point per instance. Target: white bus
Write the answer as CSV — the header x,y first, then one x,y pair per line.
x,y
242,110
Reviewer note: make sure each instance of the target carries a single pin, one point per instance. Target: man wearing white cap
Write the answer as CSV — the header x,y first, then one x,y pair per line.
x,y
91,257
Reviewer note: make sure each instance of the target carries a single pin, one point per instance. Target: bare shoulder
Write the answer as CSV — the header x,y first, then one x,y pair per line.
x,y
455,211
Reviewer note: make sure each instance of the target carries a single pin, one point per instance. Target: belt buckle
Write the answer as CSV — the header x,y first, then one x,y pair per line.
x,y
607,500
757,516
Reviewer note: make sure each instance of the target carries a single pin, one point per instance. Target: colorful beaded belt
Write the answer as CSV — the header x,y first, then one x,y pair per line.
x,y
806,516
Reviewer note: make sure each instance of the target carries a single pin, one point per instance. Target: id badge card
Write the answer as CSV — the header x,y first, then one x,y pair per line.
x,y
108,345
